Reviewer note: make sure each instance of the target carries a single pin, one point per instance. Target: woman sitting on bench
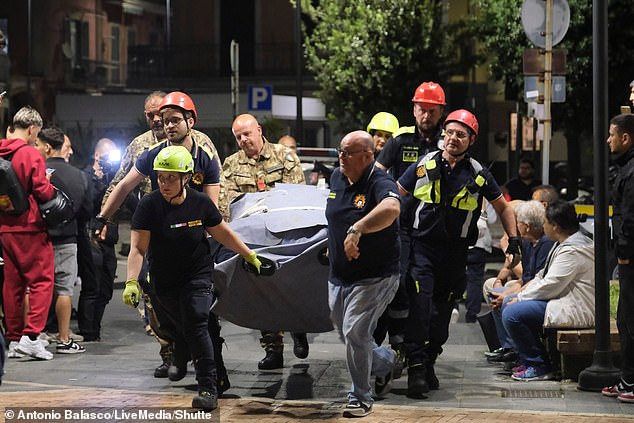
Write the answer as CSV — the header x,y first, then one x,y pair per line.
x,y
560,295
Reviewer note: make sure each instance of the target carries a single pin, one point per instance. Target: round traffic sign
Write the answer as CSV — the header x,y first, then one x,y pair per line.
x,y
534,21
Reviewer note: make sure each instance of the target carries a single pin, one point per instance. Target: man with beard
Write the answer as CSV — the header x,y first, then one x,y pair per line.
x,y
521,188
411,143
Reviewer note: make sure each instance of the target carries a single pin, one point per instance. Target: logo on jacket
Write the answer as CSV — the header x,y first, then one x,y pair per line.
x,y
359,201
420,171
197,178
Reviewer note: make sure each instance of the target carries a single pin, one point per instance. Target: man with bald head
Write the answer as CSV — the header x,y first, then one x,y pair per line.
x,y
288,142
256,167
364,250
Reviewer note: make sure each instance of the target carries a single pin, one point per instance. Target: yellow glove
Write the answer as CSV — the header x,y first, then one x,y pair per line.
x,y
131,293
253,260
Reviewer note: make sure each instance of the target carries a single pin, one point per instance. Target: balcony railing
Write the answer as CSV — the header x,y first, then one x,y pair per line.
x,y
199,62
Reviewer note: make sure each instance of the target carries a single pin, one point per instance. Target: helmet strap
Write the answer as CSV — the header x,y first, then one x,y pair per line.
x,y
181,192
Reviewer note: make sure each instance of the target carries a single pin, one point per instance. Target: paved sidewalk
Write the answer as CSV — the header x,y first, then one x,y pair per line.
x,y
117,373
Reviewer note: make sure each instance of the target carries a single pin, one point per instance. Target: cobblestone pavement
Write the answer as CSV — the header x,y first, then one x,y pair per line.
x,y
279,411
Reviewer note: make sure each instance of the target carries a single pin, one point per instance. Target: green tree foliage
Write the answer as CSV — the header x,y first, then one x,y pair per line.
x,y
370,55
501,39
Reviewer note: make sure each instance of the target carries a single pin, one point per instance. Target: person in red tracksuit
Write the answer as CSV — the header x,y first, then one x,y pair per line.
x,y
27,248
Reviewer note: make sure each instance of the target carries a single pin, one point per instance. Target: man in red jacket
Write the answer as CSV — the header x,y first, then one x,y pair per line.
x,y
27,249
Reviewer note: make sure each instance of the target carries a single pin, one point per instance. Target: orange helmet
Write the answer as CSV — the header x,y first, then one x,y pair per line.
x,y
180,100
465,117
429,92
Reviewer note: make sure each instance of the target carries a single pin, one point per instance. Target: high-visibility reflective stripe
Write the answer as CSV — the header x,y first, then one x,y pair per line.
x,y
417,287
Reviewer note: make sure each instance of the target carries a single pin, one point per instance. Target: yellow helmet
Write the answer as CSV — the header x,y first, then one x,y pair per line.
x,y
383,121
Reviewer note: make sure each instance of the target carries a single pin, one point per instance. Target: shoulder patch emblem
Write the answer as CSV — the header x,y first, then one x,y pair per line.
x,y
197,178
359,201
420,171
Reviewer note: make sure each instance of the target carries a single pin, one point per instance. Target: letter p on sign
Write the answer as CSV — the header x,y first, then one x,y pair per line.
x,y
260,97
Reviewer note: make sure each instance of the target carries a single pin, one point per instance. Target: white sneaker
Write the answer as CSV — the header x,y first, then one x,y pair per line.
x,y
33,348
12,350
71,347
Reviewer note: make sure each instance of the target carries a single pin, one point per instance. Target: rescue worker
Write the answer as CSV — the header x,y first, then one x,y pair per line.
x,y
256,167
172,225
408,145
448,187
381,127
178,114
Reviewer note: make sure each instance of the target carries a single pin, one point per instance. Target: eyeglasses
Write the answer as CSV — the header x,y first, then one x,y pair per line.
x,y
173,120
459,134
167,179
150,115
345,153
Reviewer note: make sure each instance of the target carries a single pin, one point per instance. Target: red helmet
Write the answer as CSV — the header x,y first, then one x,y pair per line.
x,y
465,117
429,92
180,100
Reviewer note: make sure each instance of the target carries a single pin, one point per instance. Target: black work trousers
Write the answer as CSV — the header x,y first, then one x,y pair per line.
x,y
184,308
625,320
437,279
97,267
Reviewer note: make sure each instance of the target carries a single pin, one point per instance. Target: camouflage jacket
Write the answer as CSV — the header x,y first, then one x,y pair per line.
x,y
138,146
240,174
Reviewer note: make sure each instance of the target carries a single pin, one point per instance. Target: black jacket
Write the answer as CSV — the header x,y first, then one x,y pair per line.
x,y
623,197
73,183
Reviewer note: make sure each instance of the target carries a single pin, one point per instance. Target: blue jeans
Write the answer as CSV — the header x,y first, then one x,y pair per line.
x,y
524,322
505,340
354,311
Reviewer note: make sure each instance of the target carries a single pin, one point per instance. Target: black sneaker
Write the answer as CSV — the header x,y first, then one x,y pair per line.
x,y
71,347
356,408
205,400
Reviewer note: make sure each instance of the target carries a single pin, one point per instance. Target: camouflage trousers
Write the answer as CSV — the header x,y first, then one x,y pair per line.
x,y
272,340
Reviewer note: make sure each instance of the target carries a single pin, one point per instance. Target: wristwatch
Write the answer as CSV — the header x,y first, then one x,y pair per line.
x,y
353,231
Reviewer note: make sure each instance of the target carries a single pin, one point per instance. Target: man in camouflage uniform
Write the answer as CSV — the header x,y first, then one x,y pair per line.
x,y
138,145
258,166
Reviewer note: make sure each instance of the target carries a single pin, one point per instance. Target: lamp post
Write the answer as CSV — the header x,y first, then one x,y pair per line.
x,y
601,373
28,53
299,120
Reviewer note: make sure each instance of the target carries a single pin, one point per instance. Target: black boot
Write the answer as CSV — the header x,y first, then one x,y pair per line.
x,y
300,345
205,400
161,371
272,360
177,370
416,382
430,377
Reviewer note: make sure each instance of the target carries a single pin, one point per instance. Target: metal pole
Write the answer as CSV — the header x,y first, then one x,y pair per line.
x,y
168,14
234,52
28,54
548,86
601,373
299,119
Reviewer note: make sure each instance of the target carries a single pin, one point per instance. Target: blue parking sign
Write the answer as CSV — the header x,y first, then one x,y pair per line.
x,y
260,98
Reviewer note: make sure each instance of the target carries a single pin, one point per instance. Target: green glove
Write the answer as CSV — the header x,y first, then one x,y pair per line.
x,y
131,293
253,260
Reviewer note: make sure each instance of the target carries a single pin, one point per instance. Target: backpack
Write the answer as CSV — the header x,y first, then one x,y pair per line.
x,y
13,199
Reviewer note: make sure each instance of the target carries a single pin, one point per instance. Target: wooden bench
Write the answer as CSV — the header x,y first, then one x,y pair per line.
x,y
575,348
